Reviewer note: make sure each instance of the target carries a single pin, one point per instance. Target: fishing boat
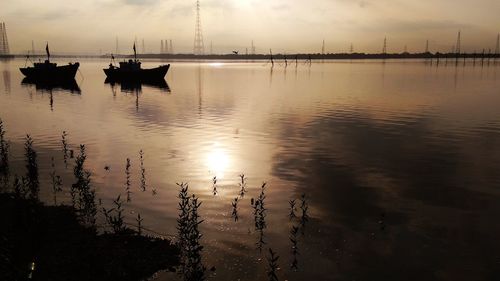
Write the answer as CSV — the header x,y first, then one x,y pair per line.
x,y
50,71
131,71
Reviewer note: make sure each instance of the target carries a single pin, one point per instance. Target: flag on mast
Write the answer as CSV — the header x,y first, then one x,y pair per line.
x,y
47,50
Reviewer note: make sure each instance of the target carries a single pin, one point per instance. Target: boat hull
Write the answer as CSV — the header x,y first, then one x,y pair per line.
x,y
153,74
65,72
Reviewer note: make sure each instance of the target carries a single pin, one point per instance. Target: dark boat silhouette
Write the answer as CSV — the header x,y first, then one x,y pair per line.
x,y
131,71
50,71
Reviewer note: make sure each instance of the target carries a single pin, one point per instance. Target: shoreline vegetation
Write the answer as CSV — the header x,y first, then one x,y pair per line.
x,y
65,242
483,55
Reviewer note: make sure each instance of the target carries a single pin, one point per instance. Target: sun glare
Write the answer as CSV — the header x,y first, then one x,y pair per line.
x,y
217,161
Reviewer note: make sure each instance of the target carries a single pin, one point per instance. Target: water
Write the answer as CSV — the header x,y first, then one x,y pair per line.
x,y
398,160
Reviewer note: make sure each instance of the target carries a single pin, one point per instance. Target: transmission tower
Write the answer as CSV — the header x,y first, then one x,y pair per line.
x,y
351,49
497,48
4,42
171,48
32,47
427,46
117,51
457,51
143,46
384,48
162,50
253,48
199,48
323,48
211,48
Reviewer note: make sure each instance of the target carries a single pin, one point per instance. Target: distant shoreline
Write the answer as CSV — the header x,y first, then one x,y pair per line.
x,y
281,57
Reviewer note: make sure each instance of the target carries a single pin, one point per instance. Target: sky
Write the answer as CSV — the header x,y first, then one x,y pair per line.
x,y
286,26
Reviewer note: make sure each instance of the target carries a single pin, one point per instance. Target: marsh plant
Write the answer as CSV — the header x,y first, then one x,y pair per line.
x,y
56,181
259,213
82,193
189,236
243,185
295,250
143,171
127,180
65,149
20,187
4,157
304,207
114,216
272,261
293,209
234,214
32,181
139,221
214,186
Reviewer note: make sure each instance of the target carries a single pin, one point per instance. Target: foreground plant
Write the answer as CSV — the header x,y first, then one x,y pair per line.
x,y
188,223
32,181
4,157
272,261
56,181
114,216
82,193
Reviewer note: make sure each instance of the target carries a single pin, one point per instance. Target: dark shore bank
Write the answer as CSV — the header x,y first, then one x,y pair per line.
x,y
39,242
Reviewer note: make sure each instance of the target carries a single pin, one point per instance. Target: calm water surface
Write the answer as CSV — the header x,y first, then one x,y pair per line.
x,y
399,161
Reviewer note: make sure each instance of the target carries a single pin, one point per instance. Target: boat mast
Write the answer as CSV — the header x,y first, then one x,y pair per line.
x,y
135,53
47,50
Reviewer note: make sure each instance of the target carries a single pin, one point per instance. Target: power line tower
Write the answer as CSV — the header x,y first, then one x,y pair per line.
x,y
253,49
351,49
457,46
4,42
199,48
117,51
497,48
143,46
323,48
211,48
384,48
171,48
162,50
32,47
427,46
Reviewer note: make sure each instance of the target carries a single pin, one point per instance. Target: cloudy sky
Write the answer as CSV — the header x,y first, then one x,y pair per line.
x,y
283,25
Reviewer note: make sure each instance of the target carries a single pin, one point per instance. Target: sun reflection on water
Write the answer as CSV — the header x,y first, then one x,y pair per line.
x,y
217,160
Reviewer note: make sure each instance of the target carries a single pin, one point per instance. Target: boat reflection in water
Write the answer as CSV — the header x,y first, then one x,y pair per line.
x,y
63,85
134,86
52,86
